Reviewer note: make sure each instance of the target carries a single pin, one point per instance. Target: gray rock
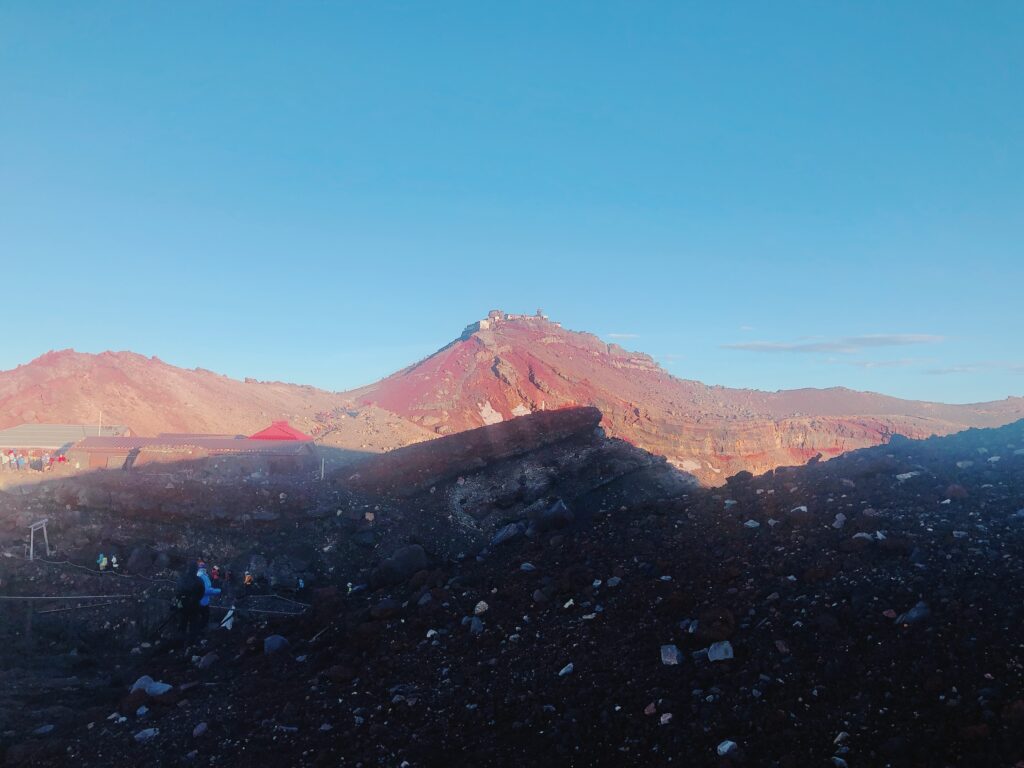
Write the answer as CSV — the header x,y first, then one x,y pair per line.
x,y
208,660
508,533
614,581
200,730
157,688
146,734
141,683
566,670
727,748
916,615
387,608
274,644
720,651
43,730
670,655
558,515
401,565
140,561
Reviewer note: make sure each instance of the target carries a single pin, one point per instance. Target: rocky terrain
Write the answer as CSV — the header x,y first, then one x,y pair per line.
x,y
535,591
494,372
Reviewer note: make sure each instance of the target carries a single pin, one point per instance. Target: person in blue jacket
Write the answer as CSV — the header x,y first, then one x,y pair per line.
x,y
209,590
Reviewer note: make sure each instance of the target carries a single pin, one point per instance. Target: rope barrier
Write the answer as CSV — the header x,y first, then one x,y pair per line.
x,y
73,608
90,570
286,599
63,597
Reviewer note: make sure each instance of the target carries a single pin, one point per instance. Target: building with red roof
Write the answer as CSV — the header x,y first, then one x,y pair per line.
x,y
280,430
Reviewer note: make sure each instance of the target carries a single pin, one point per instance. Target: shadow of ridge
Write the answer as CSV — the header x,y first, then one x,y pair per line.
x,y
225,487
412,469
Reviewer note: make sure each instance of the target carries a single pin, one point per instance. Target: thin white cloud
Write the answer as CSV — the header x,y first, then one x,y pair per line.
x,y
847,346
986,366
904,362
747,328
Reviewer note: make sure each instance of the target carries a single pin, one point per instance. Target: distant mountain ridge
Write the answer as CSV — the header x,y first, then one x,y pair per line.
x,y
501,367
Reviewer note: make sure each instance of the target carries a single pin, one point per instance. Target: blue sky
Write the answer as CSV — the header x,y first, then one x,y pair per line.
x,y
811,194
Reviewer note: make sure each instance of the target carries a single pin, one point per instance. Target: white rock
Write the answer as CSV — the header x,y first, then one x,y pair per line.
x,y
670,655
141,683
720,651
481,608
566,670
727,748
751,524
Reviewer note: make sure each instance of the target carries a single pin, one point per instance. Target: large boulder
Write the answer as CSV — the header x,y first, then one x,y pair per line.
x,y
402,564
140,562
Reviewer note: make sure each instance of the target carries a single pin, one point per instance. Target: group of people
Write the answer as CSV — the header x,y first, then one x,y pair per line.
x,y
192,598
103,562
14,461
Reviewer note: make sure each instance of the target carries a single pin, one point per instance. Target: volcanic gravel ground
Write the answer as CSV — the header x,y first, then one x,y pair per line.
x,y
891,637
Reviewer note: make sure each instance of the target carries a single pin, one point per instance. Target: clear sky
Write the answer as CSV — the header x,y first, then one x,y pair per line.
x,y
769,195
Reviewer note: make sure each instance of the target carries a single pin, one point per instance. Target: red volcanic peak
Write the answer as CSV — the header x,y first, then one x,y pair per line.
x,y
509,365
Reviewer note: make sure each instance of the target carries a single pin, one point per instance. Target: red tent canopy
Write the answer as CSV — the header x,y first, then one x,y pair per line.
x,y
280,430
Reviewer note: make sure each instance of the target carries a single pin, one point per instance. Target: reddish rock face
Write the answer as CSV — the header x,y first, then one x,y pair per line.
x,y
507,368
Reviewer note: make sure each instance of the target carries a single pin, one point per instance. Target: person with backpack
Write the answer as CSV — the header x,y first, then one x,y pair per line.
x,y
189,593
208,591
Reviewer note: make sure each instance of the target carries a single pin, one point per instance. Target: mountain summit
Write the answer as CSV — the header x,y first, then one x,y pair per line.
x,y
508,365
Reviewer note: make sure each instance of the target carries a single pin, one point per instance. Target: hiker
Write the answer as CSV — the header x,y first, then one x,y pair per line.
x,y
113,562
215,576
101,562
248,582
208,590
188,595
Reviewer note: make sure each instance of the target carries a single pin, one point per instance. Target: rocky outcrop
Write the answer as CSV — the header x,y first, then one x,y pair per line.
x,y
408,471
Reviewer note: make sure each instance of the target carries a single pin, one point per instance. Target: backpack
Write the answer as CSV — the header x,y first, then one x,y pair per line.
x,y
188,595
